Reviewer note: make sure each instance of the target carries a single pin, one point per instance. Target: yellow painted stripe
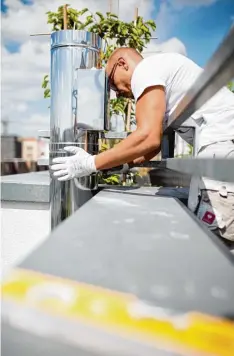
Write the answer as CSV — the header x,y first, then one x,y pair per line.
x,y
119,312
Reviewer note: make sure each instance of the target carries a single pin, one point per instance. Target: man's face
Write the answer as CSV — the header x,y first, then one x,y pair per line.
x,y
119,76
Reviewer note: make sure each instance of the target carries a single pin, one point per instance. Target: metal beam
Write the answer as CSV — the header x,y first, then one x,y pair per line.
x,y
218,169
115,135
217,73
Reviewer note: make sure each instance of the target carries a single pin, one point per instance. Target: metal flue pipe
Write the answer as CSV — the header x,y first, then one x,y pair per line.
x,y
70,51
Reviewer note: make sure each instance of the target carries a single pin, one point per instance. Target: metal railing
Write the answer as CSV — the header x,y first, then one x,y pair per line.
x,y
217,73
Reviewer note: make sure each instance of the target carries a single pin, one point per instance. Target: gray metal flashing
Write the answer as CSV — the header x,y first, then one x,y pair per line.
x,y
145,244
35,187
219,169
44,133
43,162
70,338
27,187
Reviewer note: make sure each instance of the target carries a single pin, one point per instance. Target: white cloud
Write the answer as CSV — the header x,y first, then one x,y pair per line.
x,y
38,119
196,3
22,72
165,20
22,107
172,45
30,124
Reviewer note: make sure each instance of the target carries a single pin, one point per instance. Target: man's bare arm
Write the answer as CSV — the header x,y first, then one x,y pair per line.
x,y
150,111
147,157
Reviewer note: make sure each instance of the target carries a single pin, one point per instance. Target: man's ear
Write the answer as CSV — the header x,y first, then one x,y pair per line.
x,y
122,63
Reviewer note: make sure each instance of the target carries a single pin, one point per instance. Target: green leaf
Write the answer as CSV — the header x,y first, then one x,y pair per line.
x,y
104,147
100,15
231,86
150,22
82,12
135,31
47,93
139,20
73,12
115,179
113,15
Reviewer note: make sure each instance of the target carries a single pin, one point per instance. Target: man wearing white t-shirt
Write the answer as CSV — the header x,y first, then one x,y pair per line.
x,y
157,84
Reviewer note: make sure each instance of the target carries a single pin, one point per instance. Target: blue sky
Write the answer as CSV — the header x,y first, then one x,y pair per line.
x,y
4,6
200,25
202,28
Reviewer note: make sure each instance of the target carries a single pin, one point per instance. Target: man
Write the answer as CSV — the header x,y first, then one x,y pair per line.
x,y
157,84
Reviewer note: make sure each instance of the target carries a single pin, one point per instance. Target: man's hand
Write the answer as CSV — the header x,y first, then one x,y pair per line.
x,y
80,165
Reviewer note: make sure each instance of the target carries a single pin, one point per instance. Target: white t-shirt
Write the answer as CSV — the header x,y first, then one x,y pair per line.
x,y
214,120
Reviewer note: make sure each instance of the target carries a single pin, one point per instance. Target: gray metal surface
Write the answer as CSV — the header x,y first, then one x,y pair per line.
x,y
43,162
217,73
64,337
91,110
67,56
70,51
35,187
44,133
115,135
180,193
219,169
27,187
21,343
147,245
109,134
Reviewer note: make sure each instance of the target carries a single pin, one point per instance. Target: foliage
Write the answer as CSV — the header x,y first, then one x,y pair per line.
x,y
44,85
190,152
133,34
114,179
73,19
118,106
231,86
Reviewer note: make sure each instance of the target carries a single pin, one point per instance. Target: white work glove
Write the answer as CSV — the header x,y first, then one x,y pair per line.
x,y
80,165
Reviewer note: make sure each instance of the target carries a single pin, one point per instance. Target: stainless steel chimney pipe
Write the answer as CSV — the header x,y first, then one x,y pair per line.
x,y
70,51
